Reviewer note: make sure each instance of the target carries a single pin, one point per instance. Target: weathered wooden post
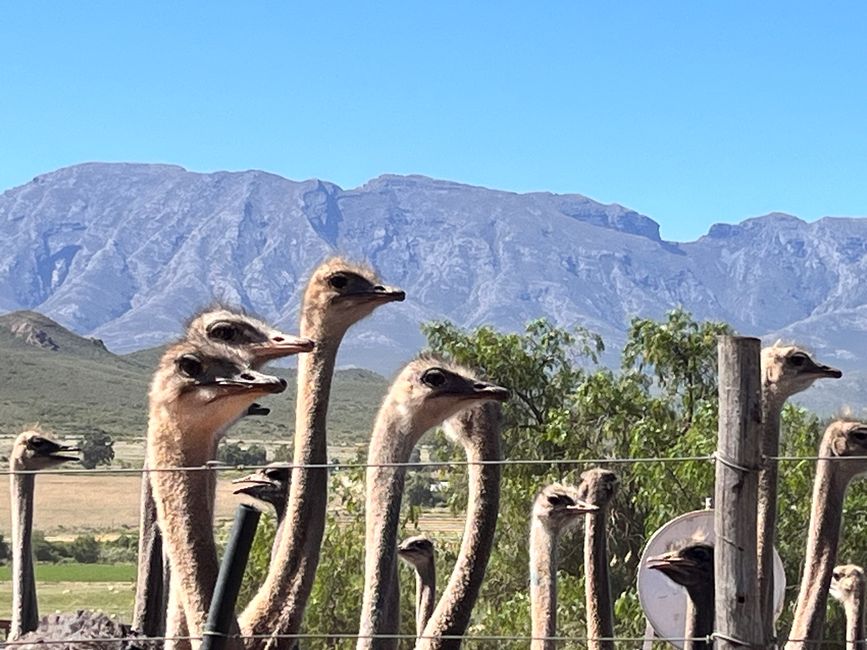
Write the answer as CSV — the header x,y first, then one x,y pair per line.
x,y
737,602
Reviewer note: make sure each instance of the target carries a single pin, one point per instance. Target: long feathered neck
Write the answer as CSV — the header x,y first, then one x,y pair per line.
x,y
829,489
699,617
184,507
425,594
772,407
597,585
279,604
391,442
452,614
151,593
25,613
543,585
854,607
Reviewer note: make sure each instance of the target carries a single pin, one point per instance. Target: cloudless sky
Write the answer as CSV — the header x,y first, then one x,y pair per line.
x,y
689,112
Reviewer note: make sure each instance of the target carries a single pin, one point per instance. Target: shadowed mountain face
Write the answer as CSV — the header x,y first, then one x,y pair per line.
x,y
124,252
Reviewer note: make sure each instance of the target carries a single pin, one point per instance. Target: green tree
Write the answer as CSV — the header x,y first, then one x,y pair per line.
x,y
97,448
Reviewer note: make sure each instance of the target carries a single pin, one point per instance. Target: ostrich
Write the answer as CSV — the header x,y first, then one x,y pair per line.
x,y
556,509
196,391
847,587
261,343
478,430
426,392
786,371
32,451
691,566
418,552
598,487
843,456
268,485
338,295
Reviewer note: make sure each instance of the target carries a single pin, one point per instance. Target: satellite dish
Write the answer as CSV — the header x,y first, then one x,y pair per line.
x,y
663,601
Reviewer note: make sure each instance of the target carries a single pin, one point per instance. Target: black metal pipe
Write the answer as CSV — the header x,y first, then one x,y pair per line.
x,y
222,611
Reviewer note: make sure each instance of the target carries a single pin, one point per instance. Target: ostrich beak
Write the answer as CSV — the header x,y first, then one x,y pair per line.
x,y
252,380
281,345
382,294
582,507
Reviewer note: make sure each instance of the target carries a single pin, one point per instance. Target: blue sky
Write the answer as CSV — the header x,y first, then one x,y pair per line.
x,y
690,112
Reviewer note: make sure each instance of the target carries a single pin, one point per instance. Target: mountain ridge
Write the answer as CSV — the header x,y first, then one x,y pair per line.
x,y
125,251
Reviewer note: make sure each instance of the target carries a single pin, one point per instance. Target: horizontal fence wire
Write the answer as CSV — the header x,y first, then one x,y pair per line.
x,y
218,466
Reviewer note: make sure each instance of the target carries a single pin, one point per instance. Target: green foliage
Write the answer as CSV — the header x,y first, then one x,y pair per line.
x,y
662,403
97,448
85,549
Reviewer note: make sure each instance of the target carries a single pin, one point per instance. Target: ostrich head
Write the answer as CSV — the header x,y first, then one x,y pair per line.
x,y
205,387
558,507
36,450
416,551
269,485
788,370
598,486
847,583
846,439
245,333
689,565
340,293
429,390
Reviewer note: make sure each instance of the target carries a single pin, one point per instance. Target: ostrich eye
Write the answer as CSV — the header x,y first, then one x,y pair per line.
x,y
555,499
859,434
223,332
190,366
434,378
701,553
798,359
338,281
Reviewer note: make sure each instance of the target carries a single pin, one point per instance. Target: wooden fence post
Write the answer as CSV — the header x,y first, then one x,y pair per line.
x,y
737,599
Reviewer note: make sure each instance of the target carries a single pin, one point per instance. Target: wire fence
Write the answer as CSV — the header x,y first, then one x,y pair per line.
x,y
334,637
217,466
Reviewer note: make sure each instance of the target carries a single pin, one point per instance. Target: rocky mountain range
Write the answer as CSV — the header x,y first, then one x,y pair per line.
x,y
125,252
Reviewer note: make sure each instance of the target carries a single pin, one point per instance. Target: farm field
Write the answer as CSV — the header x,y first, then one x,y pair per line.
x,y
65,587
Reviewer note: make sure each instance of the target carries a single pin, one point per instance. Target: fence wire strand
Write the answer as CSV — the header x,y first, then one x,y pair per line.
x,y
427,464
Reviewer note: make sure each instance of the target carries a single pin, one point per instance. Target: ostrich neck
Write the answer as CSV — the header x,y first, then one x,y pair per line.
x,y
391,442
151,591
766,514
543,586
597,585
829,489
425,595
184,516
854,606
25,614
279,604
452,614
699,617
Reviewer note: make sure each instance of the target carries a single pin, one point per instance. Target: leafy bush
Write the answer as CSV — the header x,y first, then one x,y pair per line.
x,y
97,448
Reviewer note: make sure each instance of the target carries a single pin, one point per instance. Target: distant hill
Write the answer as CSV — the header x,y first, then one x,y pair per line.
x,y
69,384
124,252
